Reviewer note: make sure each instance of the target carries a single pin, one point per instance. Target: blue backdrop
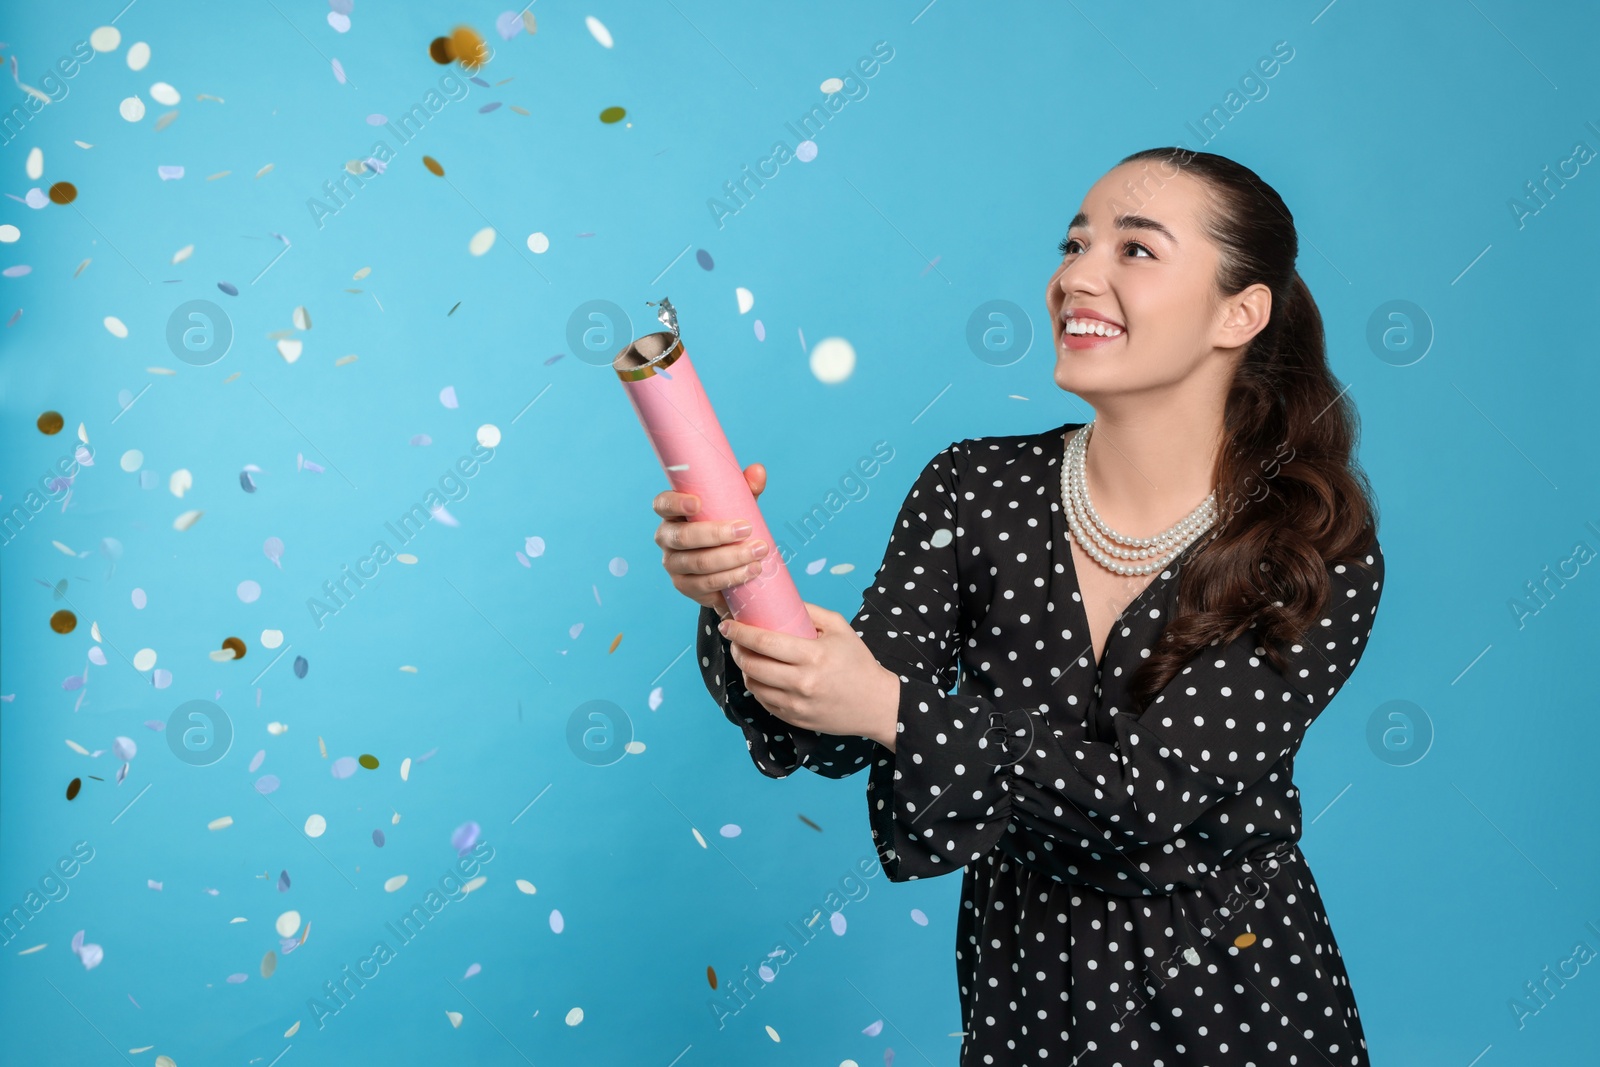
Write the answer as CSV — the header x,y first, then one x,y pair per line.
x,y
375,339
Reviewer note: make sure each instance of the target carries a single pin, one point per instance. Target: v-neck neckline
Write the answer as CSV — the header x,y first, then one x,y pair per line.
x,y
1079,602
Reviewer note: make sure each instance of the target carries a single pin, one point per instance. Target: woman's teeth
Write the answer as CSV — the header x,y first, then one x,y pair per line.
x,y
1093,326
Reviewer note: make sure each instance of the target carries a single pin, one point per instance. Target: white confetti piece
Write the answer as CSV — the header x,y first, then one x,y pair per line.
x,y
287,924
144,659
290,349
557,923
187,519
164,94
180,482
316,826
481,241
833,360
116,326
575,1016
489,435
746,299
131,109
526,886
105,39
455,1018
598,30
538,243
220,824
182,254
394,883
35,164
138,56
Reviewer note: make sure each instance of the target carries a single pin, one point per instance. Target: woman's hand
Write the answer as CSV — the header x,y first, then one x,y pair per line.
x,y
705,558
831,684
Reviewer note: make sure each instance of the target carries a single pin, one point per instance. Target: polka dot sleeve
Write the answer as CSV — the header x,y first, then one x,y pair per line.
x,y
777,748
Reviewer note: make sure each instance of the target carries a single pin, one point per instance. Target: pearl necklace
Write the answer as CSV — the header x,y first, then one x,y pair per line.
x,y
1106,545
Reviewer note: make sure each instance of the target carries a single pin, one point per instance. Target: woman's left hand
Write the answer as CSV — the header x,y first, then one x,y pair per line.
x,y
831,684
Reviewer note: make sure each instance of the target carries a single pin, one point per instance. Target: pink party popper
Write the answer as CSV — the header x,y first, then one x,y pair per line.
x,y
661,383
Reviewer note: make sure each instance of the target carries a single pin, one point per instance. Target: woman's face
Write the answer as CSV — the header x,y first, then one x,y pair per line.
x,y
1153,277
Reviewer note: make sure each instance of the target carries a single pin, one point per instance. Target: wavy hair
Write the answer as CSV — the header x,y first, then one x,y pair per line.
x,y
1292,499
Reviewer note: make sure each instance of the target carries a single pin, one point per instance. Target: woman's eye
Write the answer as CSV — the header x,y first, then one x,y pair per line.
x,y
1068,244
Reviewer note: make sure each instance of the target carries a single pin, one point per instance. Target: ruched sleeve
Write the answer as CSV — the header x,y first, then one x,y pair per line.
x,y
964,768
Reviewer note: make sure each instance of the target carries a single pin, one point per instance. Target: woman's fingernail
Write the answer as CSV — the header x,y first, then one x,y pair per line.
x,y
742,529
722,627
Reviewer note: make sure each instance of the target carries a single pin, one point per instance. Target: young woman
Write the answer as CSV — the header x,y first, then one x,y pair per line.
x,y
1149,610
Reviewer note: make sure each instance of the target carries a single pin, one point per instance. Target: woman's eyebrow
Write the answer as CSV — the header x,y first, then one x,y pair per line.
x,y
1126,222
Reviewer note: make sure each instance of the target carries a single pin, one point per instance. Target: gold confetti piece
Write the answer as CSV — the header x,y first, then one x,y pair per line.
x,y
264,169
82,265
1244,940
64,549
698,838
166,120
369,761
269,963
302,319
711,976
356,291
520,110
612,114
208,96
433,165
161,370
396,820
406,557
277,335
187,519
615,641
323,745
236,644
355,166
220,824
476,883
409,669
342,360
529,21
50,422
455,1018
231,377
182,254
526,886
37,948
307,931
467,48
295,1029
362,273
218,174
63,193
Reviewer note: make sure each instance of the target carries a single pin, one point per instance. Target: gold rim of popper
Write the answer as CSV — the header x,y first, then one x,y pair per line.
x,y
666,359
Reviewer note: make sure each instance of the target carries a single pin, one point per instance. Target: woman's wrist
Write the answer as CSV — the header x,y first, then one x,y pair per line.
x,y
888,708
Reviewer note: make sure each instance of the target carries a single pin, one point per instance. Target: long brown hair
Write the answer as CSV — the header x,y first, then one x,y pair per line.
x,y
1291,496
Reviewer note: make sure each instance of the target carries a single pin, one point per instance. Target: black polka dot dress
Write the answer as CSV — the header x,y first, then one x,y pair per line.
x,y
1132,890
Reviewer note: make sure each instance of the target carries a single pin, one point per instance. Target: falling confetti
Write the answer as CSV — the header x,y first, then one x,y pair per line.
x,y
63,193
63,622
433,165
612,114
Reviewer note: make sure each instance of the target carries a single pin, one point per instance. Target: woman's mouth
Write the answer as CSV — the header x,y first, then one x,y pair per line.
x,y
1085,333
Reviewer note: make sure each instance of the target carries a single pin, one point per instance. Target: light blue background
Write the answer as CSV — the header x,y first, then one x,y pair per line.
x,y
1398,136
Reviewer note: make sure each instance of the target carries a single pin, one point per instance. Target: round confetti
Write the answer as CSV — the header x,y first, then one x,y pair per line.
x,y
144,659
481,241
131,109
805,151
377,838
557,923
575,1016
139,599
833,85
269,963
267,783
132,460
138,56
703,258
164,94
394,883
249,591
433,165
344,766
339,21
288,923
236,644
63,193
618,566
538,243
610,114
439,50
115,327
370,762
464,837
316,826
300,666
467,46
73,787
730,830
833,360
105,39
9,234
489,435
51,422
271,638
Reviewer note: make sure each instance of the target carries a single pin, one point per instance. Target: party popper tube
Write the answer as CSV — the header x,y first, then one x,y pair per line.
x,y
666,393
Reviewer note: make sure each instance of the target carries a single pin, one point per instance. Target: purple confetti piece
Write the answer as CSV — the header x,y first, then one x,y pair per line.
x,y
479,81
873,1029
314,468
283,881
272,548
287,945
377,838
486,108
918,917
426,756
472,970
124,748
267,783
703,258
888,1057
135,1003
761,331
465,836
169,173
255,761
14,317
237,979
153,884
160,677
155,724
338,73
838,923
229,288
122,773
508,25
447,397
343,7
246,482
523,559
422,439
300,666
767,973
17,271
376,164
344,766
377,120
75,682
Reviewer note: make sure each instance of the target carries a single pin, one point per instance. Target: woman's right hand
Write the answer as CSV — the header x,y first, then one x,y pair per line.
x,y
704,558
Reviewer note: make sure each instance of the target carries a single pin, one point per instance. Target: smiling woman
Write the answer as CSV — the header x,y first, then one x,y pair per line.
x,y
1134,667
